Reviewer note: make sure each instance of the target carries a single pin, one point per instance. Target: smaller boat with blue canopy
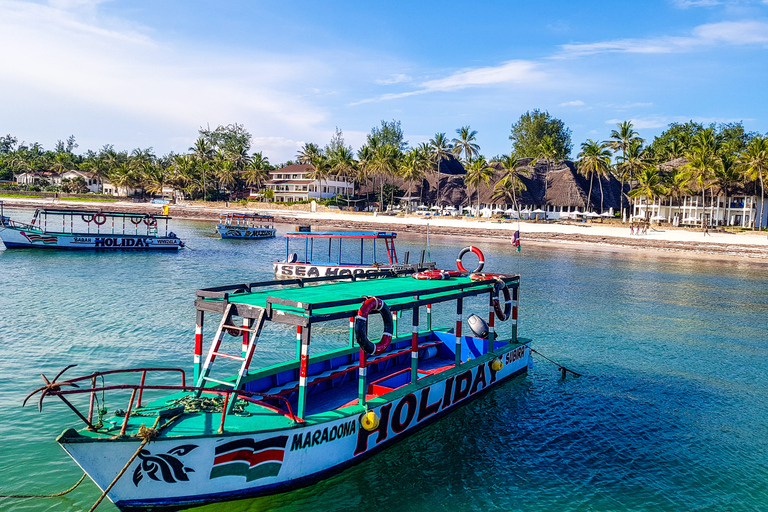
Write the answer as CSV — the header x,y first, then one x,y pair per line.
x,y
247,226
340,253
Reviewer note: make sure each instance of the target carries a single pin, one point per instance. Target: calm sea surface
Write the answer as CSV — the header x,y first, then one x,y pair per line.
x,y
671,413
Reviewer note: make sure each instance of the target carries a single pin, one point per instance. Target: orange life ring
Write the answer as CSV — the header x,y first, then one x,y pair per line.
x,y
150,220
99,219
373,305
478,252
483,276
437,275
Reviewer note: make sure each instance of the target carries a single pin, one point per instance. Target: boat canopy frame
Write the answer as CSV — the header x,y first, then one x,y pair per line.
x,y
40,221
263,300
332,237
247,220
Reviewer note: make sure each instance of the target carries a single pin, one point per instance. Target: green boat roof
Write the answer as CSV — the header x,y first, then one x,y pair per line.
x,y
339,299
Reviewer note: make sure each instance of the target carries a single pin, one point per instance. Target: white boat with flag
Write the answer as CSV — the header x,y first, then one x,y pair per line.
x,y
245,431
89,229
246,226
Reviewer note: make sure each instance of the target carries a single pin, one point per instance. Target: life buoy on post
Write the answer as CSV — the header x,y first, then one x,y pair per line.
x,y
373,305
87,218
501,286
99,219
480,263
136,220
150,220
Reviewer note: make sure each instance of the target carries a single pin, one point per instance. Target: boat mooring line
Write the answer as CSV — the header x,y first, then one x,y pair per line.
x,y
560,367
62,493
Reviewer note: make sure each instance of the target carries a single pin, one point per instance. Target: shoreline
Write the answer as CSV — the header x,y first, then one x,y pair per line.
x,y
751,246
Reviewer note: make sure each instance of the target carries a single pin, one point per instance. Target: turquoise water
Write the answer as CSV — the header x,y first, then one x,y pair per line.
x,y
671,412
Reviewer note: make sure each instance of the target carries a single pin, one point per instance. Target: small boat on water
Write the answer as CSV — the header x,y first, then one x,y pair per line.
x,y
262,431
346,254
89,229
249,226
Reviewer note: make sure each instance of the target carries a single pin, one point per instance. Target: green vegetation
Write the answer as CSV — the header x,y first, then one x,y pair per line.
x,y
685,159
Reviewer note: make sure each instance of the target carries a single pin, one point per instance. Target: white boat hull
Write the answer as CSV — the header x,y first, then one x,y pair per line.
x,y
283,269
184,470
14,237
244,232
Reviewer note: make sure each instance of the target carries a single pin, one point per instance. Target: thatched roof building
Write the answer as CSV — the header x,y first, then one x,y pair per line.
x,y
559,185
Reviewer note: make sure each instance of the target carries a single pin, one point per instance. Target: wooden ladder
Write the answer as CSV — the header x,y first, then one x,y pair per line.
x,y
254,331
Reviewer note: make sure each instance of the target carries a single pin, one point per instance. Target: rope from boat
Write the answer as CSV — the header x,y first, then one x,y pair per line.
x,y
147,435
62,493
560,367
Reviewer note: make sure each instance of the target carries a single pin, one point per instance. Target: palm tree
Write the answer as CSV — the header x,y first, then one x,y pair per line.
x,y
513,171
702,159
754,160
203,152
727,175
478,172
320,170
508,188
412,168
439,149
465,143
385,162
622,138
649,184
629,164
676,183
308,153
594,159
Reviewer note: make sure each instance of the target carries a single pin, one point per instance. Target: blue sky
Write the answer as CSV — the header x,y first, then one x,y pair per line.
x,y
137,73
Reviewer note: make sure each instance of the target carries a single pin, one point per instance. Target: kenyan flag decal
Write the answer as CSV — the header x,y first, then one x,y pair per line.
x,y
249,458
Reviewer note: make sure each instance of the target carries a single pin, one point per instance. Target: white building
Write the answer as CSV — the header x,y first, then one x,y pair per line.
x,y
736,210
292,183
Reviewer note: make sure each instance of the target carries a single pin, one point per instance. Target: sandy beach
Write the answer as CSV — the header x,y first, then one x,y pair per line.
x,y
752,245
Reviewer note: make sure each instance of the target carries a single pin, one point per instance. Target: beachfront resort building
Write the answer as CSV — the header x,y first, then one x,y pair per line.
x,y
92,181
740,209
293,183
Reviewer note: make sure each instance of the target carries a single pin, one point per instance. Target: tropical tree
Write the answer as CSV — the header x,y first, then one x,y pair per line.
x,y
754,161
478,172
465,144
594,159
629,164
439,149
676,184
703,159
203,152
512,182
649,184
385,162
529,132
412,168
307,153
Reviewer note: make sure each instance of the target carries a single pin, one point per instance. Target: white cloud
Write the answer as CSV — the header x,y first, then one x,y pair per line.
x,y
116,71
726,32
510,72
394,79
574,103
684,4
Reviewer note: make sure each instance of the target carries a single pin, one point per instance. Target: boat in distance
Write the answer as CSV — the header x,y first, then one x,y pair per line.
x,y
344,255
89,229
242,432
247,226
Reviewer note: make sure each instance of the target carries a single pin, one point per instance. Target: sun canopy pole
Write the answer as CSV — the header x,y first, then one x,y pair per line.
x,y
303,370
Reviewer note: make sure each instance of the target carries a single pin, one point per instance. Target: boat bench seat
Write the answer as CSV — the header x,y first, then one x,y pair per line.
x,y
293,386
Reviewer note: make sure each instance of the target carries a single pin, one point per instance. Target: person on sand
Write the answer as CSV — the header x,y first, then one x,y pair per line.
x,y
631,229
706,231
645,229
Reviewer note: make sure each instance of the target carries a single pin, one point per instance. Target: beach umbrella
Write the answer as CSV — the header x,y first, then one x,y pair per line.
x,y
606,214
658,217
591,214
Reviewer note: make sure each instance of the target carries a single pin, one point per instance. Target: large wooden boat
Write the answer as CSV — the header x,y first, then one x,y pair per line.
x,y
247,226
268,430
348,253
89,229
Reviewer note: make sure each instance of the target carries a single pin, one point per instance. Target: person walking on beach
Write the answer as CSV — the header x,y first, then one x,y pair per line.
x,y
706,231
645,228
631,229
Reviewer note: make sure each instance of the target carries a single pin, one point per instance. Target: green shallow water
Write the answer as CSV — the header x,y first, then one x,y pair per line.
x,y
671,413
